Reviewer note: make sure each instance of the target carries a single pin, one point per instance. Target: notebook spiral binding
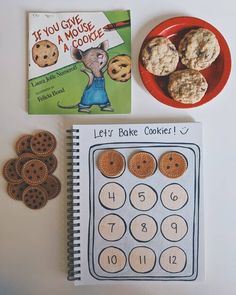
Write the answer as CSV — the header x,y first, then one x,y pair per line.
x,y
73,215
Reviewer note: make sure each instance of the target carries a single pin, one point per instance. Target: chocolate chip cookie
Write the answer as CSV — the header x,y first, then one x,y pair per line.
x,y
198,49
187,86
160,56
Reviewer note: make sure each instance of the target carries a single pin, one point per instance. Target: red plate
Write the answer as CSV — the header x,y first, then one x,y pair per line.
x,y
216,75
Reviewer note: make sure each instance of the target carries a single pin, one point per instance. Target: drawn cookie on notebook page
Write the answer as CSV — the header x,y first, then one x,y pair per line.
x,y
112,227
112,259
112,196
174,228
142,259
174,196
143,228
143,197
173,260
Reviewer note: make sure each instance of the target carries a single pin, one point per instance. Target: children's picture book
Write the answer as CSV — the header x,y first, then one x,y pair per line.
x,y
79,63
135,203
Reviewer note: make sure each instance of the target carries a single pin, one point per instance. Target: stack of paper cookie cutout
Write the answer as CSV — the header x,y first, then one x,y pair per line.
x,y
30,176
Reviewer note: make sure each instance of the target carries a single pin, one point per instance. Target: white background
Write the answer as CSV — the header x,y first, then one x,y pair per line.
x,y
33,243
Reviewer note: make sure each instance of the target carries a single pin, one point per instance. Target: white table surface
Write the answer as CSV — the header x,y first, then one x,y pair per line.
x,y
33,243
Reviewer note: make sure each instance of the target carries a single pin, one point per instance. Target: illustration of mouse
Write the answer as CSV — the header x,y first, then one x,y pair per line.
x,y
94,61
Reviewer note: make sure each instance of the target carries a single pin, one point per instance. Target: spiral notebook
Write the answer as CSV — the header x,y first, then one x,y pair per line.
x,y
135,210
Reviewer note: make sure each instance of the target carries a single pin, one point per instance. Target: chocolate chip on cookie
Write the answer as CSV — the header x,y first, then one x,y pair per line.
x,y
23,145
119,68
43,143
52,185
111,163
15,191
35,197
173,164
142,164
9,172
34,172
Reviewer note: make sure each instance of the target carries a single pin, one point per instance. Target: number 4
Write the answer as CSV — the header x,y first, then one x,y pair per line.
x,y
112,196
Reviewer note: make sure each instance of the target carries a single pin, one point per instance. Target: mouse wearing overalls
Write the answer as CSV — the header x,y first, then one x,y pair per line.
x,y
94,61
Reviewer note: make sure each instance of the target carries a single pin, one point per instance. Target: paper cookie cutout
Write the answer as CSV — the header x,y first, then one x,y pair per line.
x,y
142,164
52,185
9,172
111,163
43,143
35,197
23,145
15,191
173,164
34,172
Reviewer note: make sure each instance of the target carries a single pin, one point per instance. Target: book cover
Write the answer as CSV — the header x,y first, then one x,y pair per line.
x,y
79,63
